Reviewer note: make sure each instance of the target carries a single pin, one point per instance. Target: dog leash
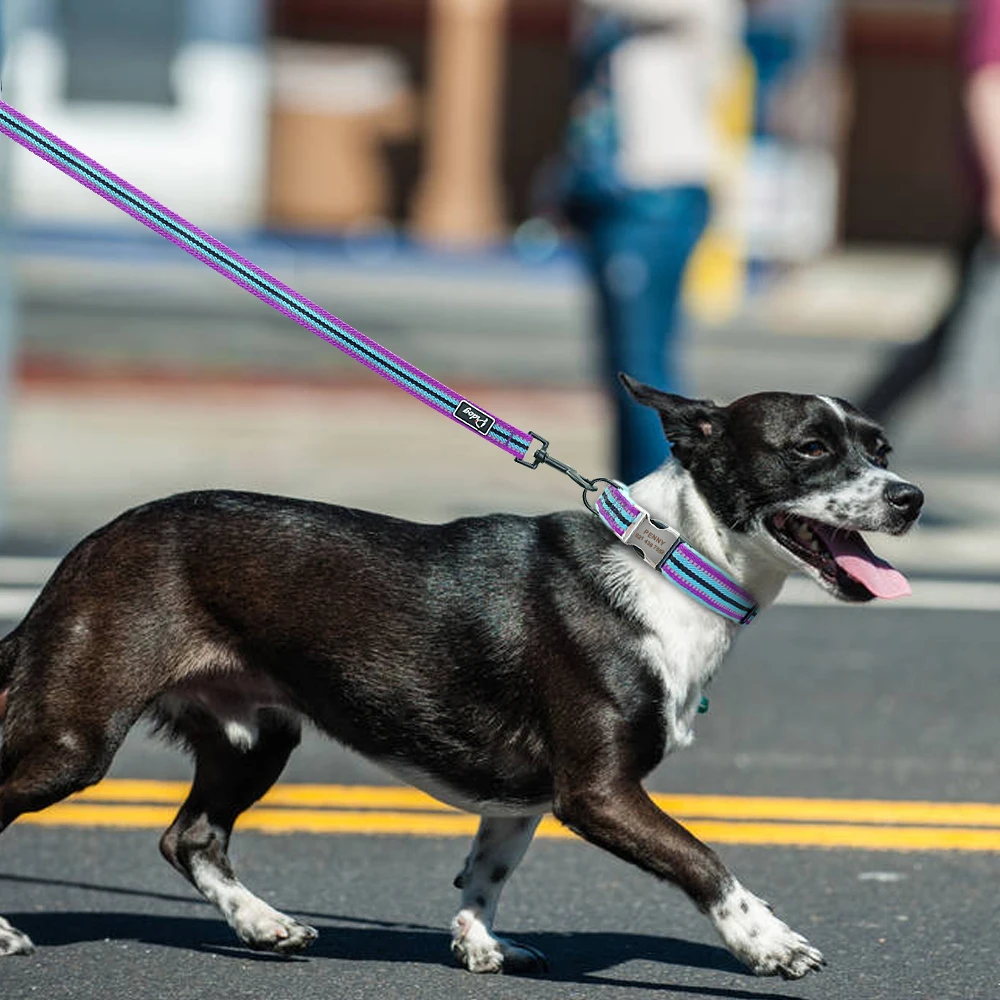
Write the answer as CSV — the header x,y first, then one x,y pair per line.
x,y
659,545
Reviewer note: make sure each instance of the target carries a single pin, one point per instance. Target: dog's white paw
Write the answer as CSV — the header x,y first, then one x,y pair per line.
x,y
767,945
13,941
265,929
480,951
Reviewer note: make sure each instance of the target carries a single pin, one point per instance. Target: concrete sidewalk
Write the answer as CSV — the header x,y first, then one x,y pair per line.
x,y
83,453
91,306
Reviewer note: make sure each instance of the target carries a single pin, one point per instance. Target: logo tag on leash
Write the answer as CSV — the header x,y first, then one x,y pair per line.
x,y
474,417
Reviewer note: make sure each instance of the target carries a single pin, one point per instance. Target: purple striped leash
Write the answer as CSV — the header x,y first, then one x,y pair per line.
x,y
658,544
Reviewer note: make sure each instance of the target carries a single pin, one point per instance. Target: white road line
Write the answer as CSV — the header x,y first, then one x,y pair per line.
x,y
928,594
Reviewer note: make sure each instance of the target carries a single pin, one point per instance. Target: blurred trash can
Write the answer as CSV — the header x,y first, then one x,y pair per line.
x,y
332,109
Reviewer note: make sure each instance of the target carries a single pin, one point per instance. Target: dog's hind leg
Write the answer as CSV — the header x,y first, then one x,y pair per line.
x,y
228,779
43,764
497,850
39,778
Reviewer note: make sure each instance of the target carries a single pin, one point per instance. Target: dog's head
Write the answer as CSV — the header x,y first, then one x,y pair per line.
x,y
801,474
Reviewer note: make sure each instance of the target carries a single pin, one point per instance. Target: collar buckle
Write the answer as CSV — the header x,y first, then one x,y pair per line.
x,y
653,540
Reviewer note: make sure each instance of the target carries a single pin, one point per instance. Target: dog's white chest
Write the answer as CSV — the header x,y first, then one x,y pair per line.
x,y
684,645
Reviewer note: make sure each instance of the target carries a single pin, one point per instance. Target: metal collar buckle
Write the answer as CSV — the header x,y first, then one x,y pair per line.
x,y
653,540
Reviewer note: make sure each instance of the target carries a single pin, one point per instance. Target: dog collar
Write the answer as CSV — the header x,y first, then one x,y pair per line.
x,y
663,548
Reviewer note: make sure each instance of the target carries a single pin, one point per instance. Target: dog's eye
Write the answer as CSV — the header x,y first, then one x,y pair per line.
x,y
812,449
881,456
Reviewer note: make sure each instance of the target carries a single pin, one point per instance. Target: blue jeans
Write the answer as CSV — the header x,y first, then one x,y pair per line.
x,y
638,248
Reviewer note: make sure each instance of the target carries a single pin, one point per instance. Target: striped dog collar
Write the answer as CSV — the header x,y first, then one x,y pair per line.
x,y
663,547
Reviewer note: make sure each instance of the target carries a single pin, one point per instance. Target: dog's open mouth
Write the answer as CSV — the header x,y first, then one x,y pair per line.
x,y
840,556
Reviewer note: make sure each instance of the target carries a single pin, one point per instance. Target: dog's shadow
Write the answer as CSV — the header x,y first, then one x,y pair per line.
x,y
577,957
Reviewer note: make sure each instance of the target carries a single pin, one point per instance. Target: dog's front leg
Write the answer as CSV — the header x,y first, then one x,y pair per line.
x,y
620,817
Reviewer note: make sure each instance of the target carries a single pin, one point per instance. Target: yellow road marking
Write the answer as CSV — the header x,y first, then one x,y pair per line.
x,y
320,796
456,824
360,809
831,810
870,838
728,807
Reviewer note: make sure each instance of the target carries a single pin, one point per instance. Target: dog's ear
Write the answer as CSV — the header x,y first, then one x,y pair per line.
x,y
687,423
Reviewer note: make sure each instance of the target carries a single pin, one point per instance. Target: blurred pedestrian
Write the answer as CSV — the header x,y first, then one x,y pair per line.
x,y
969,326
641,150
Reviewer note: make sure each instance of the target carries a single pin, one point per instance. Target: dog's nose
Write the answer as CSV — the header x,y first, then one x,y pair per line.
x,y
905,497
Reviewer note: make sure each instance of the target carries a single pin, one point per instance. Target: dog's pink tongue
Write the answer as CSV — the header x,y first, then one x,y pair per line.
x,y
852,555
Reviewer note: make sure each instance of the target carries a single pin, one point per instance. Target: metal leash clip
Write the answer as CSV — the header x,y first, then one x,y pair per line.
x,y
541,456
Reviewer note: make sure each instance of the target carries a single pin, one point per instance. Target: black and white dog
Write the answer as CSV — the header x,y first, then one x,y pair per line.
x,y
508,665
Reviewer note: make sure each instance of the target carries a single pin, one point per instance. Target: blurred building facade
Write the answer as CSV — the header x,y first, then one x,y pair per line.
x,y
445,117
896,174
171,94
905,179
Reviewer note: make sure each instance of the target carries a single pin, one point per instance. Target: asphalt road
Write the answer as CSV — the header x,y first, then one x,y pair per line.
x,y
850,704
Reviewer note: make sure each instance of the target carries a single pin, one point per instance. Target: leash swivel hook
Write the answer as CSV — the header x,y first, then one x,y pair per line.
x,y
541,456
